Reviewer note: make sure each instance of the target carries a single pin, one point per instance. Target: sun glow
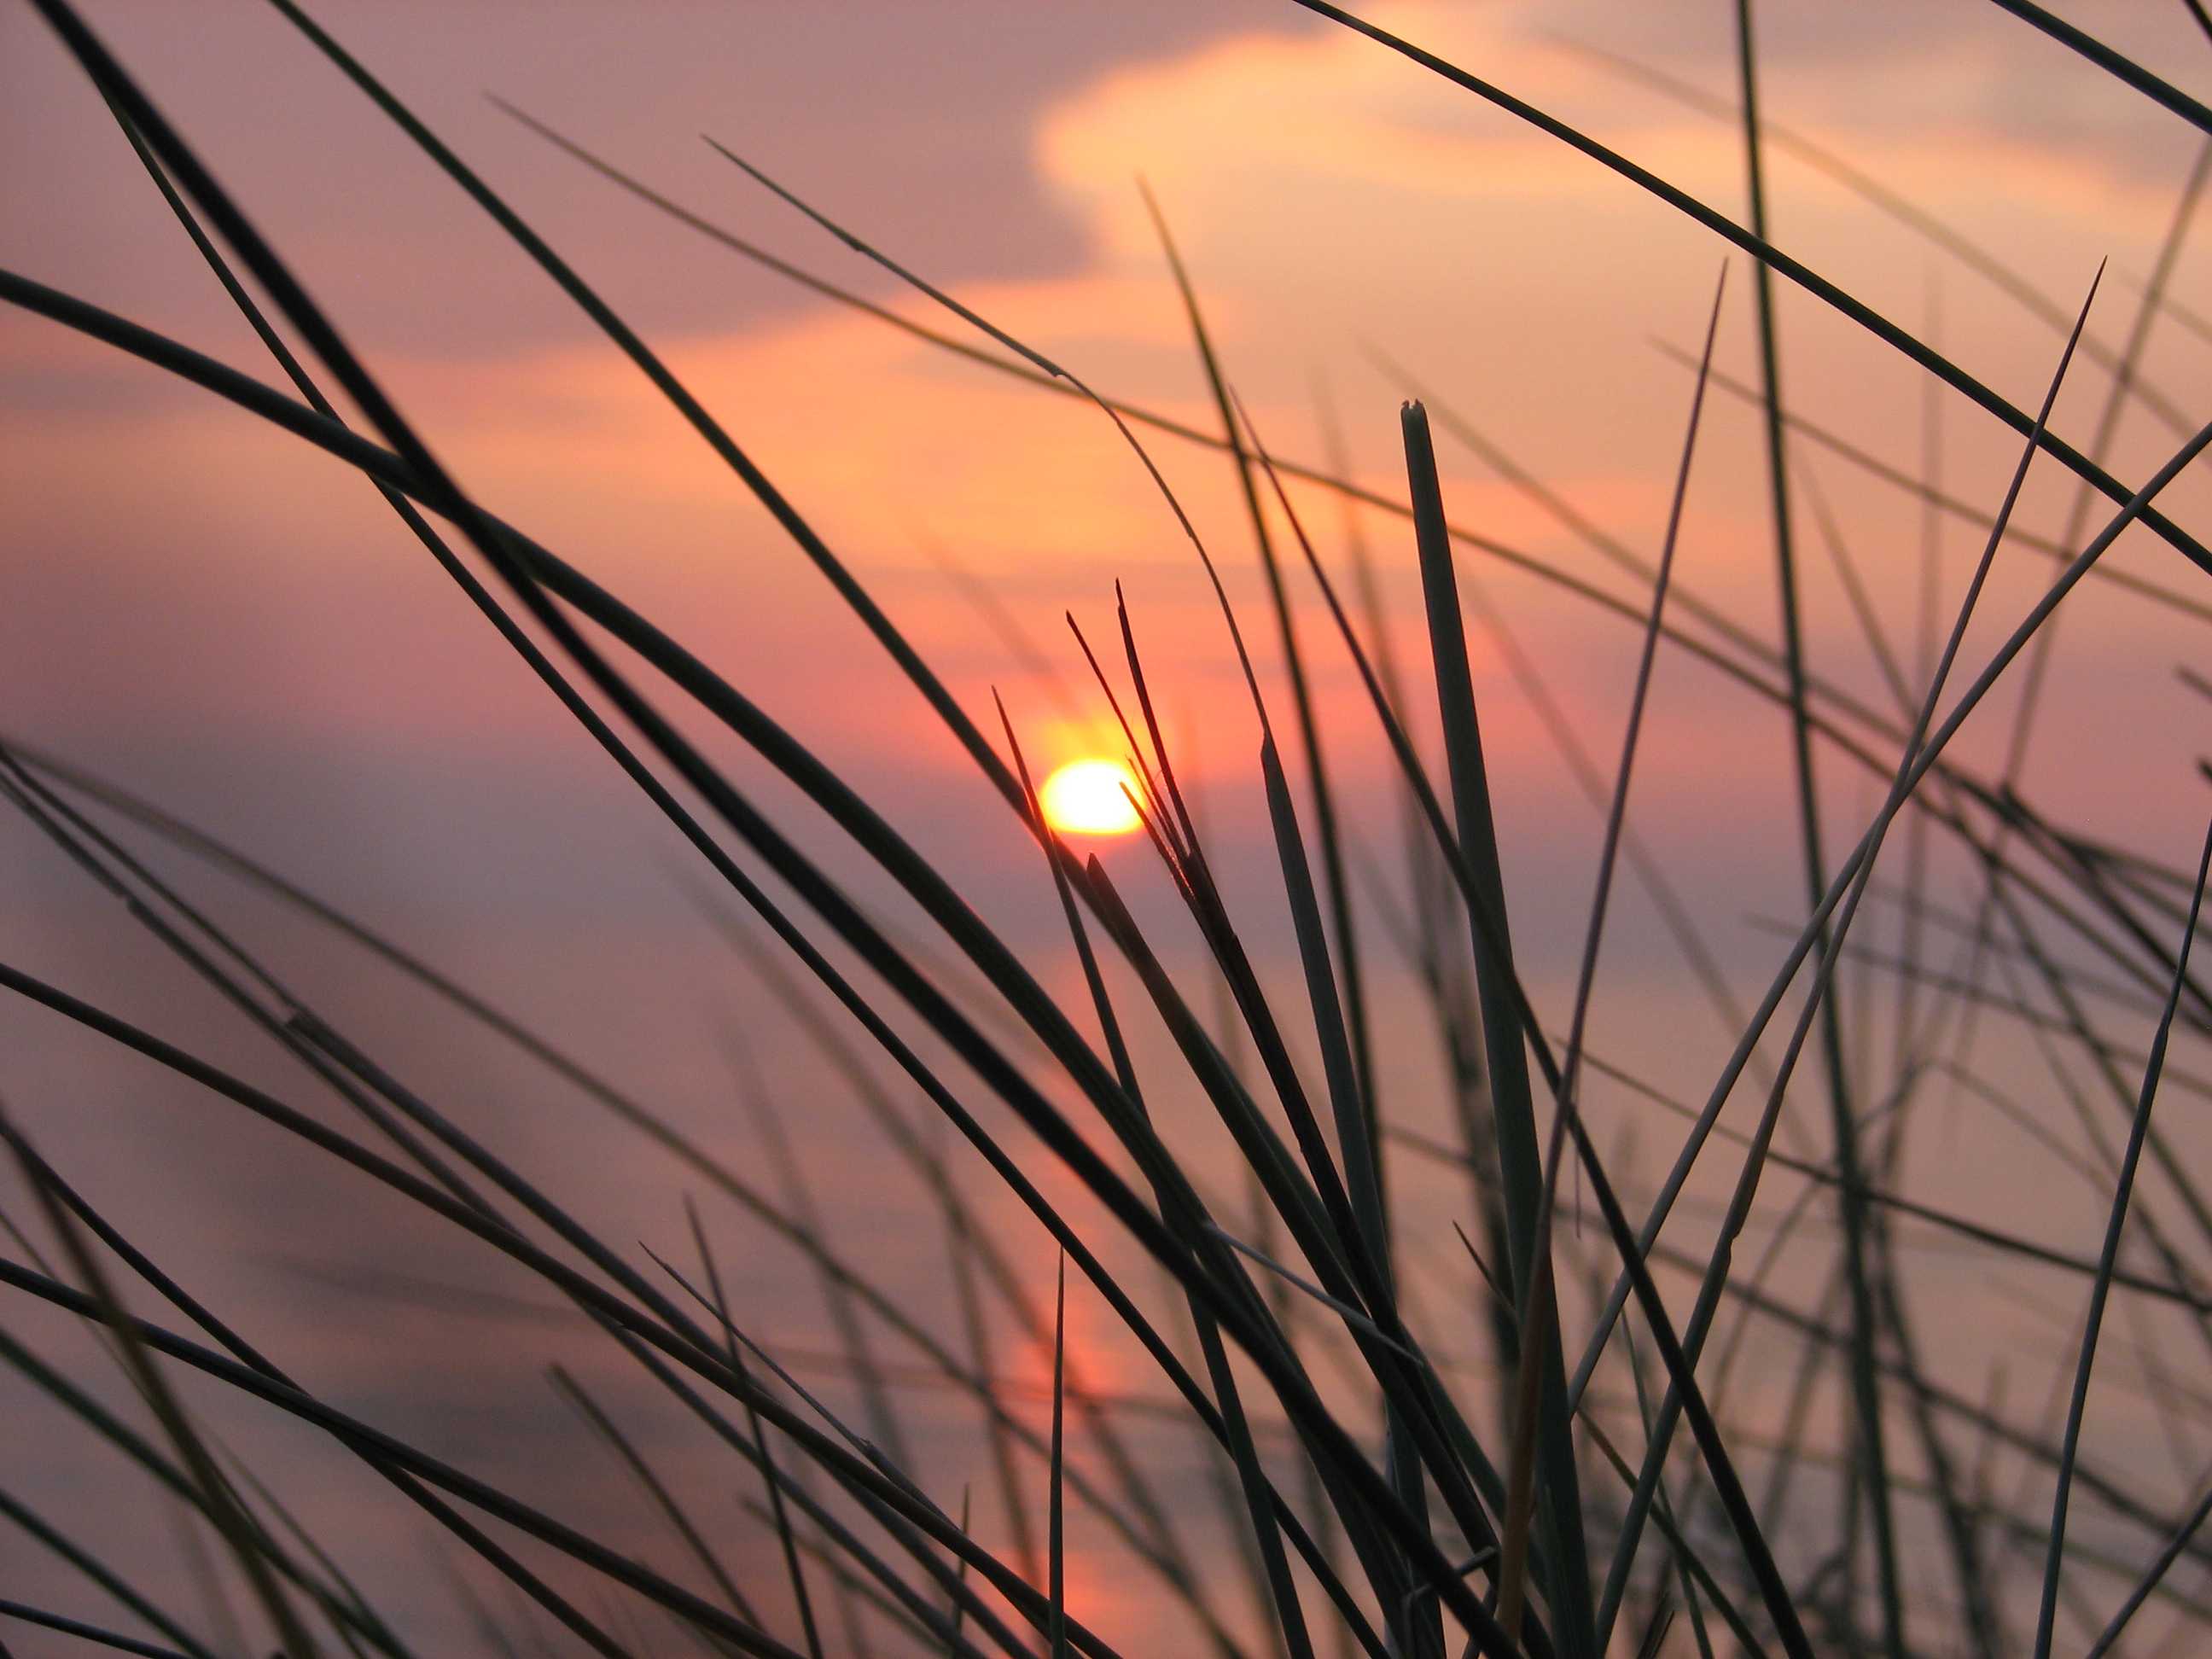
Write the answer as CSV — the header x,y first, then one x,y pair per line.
x,y
1090,797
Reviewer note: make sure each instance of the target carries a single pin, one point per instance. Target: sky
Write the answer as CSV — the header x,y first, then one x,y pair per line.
x,y
203,609
1337,208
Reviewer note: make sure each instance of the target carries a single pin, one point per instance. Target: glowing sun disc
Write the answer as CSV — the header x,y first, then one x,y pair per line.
x,y
1087,798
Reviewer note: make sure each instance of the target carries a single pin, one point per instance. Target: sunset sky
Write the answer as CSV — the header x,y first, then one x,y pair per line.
x,y
204,609
1334,204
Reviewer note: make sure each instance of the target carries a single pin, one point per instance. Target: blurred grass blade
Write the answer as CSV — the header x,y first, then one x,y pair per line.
x,y
655,1489
1870,1440
2122,1191
2151,1578
223,1506
106,1638
1850,878
1056,1511
99,1574
1720,1466
354,1433
1539,1307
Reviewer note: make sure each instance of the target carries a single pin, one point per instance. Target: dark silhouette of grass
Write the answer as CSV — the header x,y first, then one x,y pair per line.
x,y
1375,1503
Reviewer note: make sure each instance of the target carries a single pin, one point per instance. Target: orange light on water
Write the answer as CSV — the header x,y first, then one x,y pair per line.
x,y
1090,797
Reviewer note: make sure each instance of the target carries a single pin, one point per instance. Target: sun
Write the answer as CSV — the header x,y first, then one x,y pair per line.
x,y
1090,797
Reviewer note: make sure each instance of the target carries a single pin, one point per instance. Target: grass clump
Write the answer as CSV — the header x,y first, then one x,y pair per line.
x,y
1191,1134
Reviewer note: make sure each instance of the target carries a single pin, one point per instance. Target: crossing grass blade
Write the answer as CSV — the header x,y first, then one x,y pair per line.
x,y
2123,1192
1342,1022
117,1588
1870,1437
1538,1305
655,1489
1818,286
801,532
84,1633
1554,1475
1325,1374
629,1110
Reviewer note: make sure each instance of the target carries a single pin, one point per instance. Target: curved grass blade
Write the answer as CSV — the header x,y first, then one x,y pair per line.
x,y
779,506
1938,233
223,1506
346,1618
2116,64
618,1315
279,283
1802,275
1344,1021
175,1481
93,1633
115,1585
353,1433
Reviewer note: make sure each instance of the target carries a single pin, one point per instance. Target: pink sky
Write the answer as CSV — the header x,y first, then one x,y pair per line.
x,y
198,604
